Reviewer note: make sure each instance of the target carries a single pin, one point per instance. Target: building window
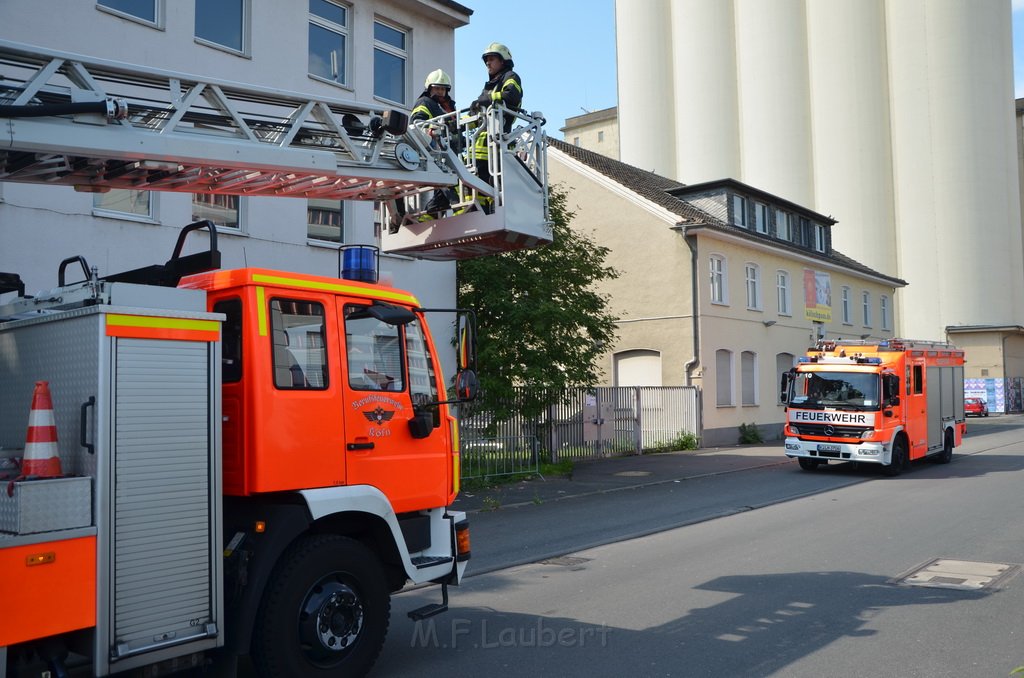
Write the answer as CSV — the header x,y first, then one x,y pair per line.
x,y
222,210
748,377
600,136
145,11
883,307
760,217
223,23
819,237
719,281
389,56
781,225
803,232
125,203
866,301
783,363
846,305
753,287
328,41
782,285
739,211
575,141
723,377
325,220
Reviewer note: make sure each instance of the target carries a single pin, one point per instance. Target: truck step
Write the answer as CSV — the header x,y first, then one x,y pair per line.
x,y
432,609
430,561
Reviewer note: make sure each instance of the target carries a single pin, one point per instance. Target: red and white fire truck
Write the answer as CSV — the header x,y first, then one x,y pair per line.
x,y
885,402
253,460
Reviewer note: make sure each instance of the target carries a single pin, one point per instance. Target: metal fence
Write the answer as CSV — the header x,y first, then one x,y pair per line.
x,y
577,424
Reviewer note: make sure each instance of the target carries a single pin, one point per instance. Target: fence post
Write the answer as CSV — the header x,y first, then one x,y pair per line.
x,y
638,421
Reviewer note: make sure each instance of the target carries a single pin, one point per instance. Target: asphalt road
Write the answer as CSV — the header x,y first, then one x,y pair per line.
x,y
768,572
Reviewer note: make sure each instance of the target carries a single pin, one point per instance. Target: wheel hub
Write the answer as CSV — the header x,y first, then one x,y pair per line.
x,y
331,619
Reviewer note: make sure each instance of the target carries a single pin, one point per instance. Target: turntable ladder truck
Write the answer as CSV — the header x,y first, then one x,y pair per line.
x,y
253,460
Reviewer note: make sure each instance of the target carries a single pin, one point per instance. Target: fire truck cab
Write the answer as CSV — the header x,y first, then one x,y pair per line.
x,y
886,403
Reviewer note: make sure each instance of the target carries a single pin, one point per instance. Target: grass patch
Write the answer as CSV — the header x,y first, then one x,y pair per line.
x,y
562,469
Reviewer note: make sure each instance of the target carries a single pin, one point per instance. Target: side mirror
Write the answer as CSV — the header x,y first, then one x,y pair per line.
x,y
784,387
467,386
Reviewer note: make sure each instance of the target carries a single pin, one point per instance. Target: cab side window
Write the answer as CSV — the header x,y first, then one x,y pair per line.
x,y
374,353
299,341
231,339
422,376
918,379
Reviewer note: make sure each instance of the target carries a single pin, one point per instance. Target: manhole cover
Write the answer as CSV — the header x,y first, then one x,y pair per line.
x,y
633,474
565,561
945,573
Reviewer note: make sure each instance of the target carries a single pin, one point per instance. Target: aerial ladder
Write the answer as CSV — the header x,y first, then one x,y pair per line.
x,y
96,125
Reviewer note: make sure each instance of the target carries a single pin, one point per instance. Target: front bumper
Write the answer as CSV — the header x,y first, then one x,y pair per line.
x,y
868,452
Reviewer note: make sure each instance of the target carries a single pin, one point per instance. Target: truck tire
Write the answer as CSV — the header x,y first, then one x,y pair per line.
x,y
808,464
946,455
325,611
898,458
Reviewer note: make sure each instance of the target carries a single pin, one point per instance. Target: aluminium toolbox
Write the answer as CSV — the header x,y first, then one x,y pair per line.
x,y
46,504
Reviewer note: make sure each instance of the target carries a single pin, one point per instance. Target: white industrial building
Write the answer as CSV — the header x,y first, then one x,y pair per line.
x,y
895,117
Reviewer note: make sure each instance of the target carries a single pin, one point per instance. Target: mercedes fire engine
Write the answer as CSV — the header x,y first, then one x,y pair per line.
x,y
886,402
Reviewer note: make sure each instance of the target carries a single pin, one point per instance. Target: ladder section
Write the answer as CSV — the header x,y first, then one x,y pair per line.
x,y
97,124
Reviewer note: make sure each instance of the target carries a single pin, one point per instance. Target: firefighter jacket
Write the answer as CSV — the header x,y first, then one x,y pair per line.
x,y
507,88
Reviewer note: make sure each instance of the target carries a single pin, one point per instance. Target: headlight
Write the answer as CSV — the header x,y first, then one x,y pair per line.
x,y
794,430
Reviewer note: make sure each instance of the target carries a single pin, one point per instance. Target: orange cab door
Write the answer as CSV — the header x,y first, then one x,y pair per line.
x,y
380,448
915,406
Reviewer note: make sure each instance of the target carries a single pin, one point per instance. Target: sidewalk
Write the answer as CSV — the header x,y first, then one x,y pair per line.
x,y
593,476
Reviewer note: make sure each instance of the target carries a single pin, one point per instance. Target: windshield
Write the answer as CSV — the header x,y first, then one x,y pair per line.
x,y
841,390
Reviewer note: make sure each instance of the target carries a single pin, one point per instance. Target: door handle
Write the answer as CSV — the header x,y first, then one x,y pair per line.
x,y
359,446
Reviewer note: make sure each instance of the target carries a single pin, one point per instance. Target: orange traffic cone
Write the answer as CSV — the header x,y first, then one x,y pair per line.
x,y
41,458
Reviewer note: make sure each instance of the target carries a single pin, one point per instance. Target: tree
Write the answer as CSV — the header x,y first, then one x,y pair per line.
x,y
541,324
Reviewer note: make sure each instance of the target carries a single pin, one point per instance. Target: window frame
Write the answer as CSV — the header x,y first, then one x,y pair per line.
x,y
819,237
404,54
344,30
784,297
245,49
739,211
723,279
149,218
761,218
865,298
753,379
883,309
729,401
847,305
343,211
242,212
752,285
309,385
158,14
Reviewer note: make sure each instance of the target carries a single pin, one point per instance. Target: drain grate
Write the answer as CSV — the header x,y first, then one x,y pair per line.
x,y
966,575
566,561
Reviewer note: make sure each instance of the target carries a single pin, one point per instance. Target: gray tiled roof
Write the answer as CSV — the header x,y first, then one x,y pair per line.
x,y
655,188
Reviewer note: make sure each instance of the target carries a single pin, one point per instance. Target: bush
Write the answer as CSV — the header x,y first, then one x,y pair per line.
x,y
749,434
684,440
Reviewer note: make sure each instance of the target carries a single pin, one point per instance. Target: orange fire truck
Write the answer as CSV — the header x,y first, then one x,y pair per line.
x,y
887,402
253,460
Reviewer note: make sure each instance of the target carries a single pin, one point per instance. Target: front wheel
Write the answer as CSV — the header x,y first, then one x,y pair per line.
x,y
808,464
325,612
897,459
